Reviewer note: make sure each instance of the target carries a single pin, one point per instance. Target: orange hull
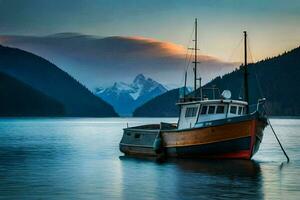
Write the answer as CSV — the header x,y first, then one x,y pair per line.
x,y
232,140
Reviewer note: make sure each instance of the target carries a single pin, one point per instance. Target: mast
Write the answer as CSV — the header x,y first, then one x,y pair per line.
x,y
196,61
195,58
184,92
246,87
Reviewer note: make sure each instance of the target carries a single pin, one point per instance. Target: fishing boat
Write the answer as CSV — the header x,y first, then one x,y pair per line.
x,y
206,128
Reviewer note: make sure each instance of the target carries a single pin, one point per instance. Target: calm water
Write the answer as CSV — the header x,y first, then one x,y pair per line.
x,y
71,158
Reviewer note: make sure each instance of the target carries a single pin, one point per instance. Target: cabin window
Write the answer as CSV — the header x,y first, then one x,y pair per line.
x,y
220,109
240,112
211,109
233,109
203,110
191,112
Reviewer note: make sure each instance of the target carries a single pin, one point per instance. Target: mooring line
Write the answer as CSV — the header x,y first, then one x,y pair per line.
x,y
287,157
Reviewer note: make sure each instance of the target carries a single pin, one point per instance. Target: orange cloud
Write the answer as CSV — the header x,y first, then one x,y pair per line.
x,y
163,46
88,57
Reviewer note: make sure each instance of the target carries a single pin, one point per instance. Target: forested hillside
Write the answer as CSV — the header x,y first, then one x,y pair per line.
x,y
47,78
19,99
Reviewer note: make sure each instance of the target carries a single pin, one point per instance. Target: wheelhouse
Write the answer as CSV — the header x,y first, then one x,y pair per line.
x,y
194,114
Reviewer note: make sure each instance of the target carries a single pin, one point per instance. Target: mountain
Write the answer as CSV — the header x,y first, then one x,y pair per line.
x,y
19,99
85,57
47,78
126,97
277,79
160,106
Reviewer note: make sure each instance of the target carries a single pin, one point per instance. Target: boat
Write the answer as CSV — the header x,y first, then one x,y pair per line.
x,y
207,128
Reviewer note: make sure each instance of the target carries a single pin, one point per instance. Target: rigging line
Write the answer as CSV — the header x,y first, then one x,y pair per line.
x,y
260,90
249,49
188,44
258,83
189,62
234,50
186,67
254,69
185,63
240,63
255,73
187,59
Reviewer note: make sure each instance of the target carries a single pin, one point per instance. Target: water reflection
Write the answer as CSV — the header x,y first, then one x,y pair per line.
x,y
228,168
204,179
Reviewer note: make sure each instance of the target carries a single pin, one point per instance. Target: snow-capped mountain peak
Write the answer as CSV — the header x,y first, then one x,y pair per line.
x,y
139,79
126,97
120,86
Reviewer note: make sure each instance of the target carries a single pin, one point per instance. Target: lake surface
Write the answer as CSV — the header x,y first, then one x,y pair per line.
x,y
68,158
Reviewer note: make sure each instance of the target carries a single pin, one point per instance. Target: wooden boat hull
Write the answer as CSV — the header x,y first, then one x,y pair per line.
x,y
237,138
235,148
240,139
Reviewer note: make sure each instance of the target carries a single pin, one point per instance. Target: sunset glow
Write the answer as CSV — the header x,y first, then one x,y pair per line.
x,y
273,26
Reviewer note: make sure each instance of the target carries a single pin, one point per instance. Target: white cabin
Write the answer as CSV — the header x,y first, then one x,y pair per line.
x,y
195,113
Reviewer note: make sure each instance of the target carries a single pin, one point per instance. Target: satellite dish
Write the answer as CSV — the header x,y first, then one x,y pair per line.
x,y
226,94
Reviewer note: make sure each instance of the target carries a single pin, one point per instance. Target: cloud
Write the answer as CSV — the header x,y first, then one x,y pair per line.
x,y
99,61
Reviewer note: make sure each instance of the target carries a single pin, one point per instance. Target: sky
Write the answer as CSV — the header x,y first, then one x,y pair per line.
x,y
272,25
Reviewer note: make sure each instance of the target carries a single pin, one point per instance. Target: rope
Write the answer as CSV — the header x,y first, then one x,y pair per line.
x,y
234,50
255,73
249,50
261,94
287,157
188,56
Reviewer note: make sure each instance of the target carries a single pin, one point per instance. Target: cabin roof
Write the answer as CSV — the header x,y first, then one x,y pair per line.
x,y
214,101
